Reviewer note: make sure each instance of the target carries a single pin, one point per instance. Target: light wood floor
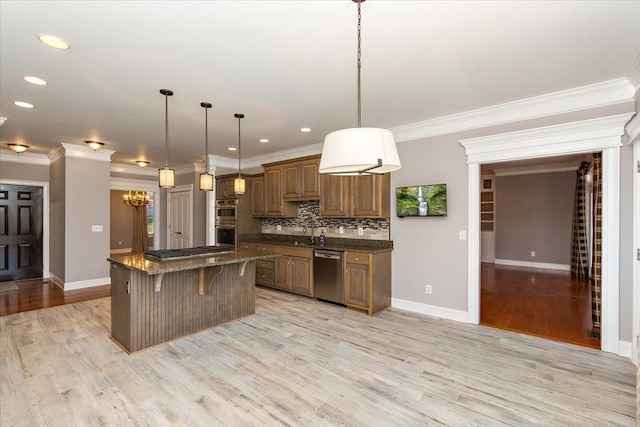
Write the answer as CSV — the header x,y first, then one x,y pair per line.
x,y
300,362
545,303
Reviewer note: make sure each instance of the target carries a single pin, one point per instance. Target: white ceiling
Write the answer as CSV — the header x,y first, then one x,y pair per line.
x,y
288,64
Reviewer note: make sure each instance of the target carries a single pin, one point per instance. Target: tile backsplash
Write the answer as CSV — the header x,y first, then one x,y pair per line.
x,y
309,216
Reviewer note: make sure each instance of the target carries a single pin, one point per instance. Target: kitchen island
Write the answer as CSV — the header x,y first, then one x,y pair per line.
x,y
154,301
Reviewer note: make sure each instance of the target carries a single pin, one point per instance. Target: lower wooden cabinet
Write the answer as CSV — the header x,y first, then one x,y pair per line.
x,y
294,270
367,281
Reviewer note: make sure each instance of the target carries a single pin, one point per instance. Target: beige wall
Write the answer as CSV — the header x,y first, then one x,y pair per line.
x,y
121,222
24,172
534,213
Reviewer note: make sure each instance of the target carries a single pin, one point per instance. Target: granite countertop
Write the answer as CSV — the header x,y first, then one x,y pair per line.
x,y
154,266
303,241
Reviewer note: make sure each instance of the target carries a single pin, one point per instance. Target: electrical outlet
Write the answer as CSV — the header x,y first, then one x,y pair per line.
x,y
341,230
360,231
463,235
428,289
278,227
533,254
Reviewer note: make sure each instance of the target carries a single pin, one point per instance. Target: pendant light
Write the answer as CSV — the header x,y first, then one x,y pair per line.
x,y
206,179
359,150
166,176
239,183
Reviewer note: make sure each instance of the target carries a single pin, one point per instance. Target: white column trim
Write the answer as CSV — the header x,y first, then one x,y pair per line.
x,y
601,134
473,245
633,129
610,328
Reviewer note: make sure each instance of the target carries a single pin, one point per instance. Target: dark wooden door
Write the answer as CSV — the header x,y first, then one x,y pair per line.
x,y
20,232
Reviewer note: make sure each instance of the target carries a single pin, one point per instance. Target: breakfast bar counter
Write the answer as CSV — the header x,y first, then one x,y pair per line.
x,y
158,300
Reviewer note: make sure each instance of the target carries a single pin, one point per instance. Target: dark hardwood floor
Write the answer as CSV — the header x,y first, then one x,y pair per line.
x,y
35,294
545,303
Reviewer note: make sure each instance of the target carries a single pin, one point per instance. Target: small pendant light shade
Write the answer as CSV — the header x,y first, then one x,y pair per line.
x,y
239,184
166,176
206,179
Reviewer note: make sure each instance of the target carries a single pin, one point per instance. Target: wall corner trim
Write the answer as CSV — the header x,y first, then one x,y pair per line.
x,y
81,284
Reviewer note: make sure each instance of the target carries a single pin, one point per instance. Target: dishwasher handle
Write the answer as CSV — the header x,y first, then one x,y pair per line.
x,y
327,254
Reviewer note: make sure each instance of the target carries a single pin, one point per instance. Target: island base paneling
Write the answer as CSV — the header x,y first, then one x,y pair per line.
x,y
187,301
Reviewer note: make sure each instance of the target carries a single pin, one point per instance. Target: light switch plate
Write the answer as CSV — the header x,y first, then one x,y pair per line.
x,y
96,228
463,235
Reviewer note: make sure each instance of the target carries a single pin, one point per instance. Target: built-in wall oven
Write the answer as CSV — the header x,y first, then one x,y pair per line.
x,y
226,222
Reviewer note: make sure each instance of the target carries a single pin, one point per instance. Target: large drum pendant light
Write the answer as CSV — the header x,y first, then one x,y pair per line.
x,y
206,179
166,176
239,183
359,150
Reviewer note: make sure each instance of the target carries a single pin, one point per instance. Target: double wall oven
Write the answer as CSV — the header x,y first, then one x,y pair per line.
x,y
227,222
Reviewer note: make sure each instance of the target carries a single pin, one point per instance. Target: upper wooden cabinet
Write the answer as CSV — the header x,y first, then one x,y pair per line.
x,y
257,196
363,196
300,179
274,203
224,187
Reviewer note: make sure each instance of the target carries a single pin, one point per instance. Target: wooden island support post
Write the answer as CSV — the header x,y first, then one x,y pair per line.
x,y
153,302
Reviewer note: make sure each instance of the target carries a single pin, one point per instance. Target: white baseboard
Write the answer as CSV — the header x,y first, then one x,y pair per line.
x,y
430,310
81,284
120,251
529,264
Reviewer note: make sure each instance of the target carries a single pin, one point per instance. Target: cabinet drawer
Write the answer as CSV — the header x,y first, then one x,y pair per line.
x,y
357,258
265,277
265,263
267,248
294,251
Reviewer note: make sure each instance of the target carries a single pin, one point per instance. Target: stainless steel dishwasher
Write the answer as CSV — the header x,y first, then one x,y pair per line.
x,y
328,284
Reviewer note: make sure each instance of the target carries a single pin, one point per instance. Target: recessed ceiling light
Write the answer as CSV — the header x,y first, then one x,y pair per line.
x,y
23,104
53,41
232,148
35,80
18,148
142,163
94,145
305,129
264,140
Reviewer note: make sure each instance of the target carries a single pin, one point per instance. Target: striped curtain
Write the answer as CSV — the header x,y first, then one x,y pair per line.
x,y
596,258
579,242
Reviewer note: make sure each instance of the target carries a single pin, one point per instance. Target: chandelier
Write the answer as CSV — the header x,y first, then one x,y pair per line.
x,y
136,199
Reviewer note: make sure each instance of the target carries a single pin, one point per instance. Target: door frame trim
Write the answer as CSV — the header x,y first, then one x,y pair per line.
x,y
586,136
45,218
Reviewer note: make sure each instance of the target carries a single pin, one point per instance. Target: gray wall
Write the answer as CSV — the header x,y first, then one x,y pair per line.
x,y
25,172
121,220
57,218
427,250
198,216
627,252
534,213
87,197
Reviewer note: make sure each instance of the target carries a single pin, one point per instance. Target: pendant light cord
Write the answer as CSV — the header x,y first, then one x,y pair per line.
x,y
166,130
239,149
359,65
206,140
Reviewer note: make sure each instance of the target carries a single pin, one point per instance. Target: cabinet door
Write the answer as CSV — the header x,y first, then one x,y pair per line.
x,y
301,275
357,285
257,196
283,273
273,191
309,180
371,196
291,181
334,200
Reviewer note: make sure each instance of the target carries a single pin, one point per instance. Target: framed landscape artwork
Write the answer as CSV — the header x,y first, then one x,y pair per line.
x,y
421,200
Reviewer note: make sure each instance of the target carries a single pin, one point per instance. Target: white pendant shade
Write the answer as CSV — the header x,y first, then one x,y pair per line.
x,y
206,182
359,150
166,178
239,185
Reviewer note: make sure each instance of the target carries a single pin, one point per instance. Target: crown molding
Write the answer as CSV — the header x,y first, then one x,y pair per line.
x,y
633,129
24,158
133,170
126,184
567,138
634,74
596,95
79,151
